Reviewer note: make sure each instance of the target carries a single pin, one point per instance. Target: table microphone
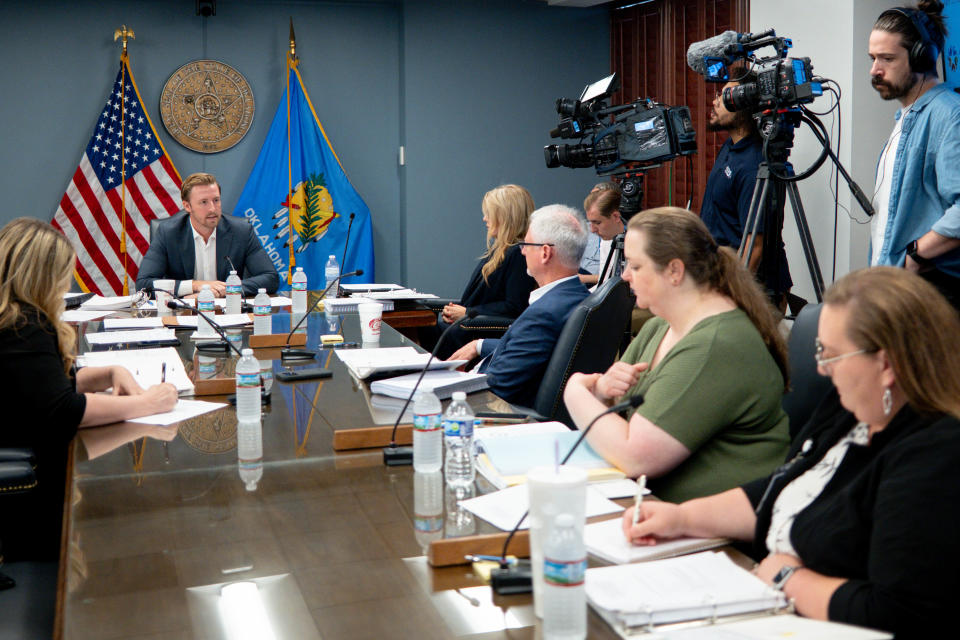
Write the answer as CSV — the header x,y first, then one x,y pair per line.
x,y
343,259
290,352
393,455
510,579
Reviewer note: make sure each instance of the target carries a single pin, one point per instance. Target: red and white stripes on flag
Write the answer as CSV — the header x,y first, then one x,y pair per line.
x,y
110,239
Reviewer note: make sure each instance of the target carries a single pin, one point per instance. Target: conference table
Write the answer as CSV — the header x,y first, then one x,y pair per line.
x,y
165,537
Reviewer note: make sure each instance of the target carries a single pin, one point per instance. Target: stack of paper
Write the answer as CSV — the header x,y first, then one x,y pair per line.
x,y
223,320
606,540
509,452
113,302
695,587
349,305
364,288
442,383
138,336
398,294
364,363
146,365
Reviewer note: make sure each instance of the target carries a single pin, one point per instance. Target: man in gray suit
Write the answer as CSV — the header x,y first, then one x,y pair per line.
x,y
192,246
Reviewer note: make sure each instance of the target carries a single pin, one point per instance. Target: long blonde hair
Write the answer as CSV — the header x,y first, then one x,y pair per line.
x,y
675,233
903,314
36,262
508,208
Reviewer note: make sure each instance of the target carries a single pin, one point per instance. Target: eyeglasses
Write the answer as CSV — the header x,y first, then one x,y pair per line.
x,y
535,244
823,362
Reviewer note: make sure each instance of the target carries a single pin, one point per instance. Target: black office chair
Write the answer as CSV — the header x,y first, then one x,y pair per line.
x,y
487,326
17,475
589,343
156,221
807,387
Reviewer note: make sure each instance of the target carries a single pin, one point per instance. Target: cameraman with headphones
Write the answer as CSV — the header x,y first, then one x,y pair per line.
x,y
917,196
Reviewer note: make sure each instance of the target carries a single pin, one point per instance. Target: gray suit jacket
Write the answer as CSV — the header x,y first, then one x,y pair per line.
x,y
171,254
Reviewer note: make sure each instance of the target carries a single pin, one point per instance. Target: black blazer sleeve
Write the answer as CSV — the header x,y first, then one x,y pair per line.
x,y
257,270
507,290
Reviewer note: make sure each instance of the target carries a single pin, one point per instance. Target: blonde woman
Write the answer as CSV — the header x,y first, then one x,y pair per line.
x,y
45,399
499,285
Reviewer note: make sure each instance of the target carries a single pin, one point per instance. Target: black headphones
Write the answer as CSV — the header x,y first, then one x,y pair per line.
x,y
925,51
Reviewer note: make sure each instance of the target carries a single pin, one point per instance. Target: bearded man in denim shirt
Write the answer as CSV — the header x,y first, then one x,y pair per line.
x,y
917,198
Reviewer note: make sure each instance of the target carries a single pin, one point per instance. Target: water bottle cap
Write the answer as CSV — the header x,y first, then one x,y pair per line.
x,y
564,520
299,268
261,290
233,272
246,352
459,395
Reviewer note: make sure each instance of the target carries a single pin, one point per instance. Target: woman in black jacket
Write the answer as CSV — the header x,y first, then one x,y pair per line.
x,y
861,524
499,285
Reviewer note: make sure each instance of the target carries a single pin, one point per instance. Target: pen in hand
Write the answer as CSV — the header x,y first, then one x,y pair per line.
x,y
638,501
163,372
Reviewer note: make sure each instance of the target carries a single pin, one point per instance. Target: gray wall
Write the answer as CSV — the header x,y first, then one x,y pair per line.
x,y
466,86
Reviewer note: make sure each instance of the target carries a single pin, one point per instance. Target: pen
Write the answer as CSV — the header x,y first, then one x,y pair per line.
x,y
638,501
481,558
163,372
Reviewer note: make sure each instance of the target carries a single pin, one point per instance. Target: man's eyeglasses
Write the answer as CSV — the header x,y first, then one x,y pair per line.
x,y
823,362
535,244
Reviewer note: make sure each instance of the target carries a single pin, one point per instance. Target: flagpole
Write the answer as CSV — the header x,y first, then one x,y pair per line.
x,y
124,33
291,64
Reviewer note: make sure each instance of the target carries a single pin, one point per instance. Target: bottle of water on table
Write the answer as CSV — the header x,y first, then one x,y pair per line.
x,y
427,433
234,292
262,322
459,470
299,291
332,274
564,570
205,304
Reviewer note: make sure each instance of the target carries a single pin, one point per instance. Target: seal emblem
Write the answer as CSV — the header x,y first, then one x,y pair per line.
x,y
207,106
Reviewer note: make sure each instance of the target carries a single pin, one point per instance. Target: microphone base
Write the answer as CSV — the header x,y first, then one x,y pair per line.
x,y
394,456
511,581
288,353
219,346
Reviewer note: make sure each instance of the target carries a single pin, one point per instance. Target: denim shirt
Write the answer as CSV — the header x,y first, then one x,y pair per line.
x,y
925,192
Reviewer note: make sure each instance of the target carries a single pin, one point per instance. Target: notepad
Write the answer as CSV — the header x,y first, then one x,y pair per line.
x,y
145,365
606,540
140,336
112,302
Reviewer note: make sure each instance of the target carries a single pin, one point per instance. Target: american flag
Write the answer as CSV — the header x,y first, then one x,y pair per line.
x,y
111,240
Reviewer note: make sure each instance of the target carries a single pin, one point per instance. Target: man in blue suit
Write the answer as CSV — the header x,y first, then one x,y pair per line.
x,y
192,247
515,363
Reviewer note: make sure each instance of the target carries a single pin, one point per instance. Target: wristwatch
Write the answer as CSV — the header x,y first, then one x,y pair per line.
x,y
780,580
920,260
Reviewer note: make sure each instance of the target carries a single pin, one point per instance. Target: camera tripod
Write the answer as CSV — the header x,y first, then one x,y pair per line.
x,y
775,179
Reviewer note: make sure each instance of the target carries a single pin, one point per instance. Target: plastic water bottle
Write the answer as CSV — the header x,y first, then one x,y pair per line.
x,y
234,293
332,273
459,470
564,569
427,433
427,507
250,453
205,304
262,323
248,387
266,375
299,291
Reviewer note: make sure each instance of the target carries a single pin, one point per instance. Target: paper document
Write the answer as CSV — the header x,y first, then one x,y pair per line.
x,y
782,627
275,301
113,302
441,383
519,453
349,305
82,315
503,508
606,540
223,320
137,335
146,365
355,288
398,294
153,322
691,587
366,362
184,410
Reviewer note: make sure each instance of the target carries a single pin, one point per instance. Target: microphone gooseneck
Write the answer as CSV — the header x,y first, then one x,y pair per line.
x,y
393,455
629,403
343,258
178,303
287,351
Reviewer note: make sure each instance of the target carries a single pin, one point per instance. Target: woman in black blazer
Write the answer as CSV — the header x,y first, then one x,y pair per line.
x,y
499,285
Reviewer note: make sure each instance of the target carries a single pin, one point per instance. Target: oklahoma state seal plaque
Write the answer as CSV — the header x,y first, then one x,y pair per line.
x,y
207,106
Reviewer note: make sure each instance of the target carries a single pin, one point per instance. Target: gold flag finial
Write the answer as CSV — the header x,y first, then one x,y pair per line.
x,y
293,42
124,33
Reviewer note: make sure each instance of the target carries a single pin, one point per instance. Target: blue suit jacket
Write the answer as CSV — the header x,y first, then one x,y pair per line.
x,y
171,254
517,361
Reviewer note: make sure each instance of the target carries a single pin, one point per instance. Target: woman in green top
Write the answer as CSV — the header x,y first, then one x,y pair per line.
x,y
711,366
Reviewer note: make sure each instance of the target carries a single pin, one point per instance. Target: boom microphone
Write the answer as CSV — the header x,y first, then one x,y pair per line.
x,y
715,47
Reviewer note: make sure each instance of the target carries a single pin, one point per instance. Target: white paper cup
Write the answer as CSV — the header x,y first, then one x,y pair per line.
x,y
371,315
162,297
552,490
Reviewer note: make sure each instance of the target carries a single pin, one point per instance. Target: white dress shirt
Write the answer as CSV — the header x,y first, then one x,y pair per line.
x,y
205,261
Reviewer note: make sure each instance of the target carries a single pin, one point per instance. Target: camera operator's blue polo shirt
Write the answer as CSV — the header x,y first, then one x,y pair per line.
x,y
726,200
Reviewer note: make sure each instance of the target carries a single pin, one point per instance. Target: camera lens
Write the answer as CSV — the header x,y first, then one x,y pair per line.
x,y
567,106
742,96
568,155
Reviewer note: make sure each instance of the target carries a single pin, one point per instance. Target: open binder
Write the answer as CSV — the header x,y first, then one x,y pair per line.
x,y
704,587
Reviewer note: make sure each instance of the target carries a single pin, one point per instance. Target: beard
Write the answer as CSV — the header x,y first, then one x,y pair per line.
x,y
892,90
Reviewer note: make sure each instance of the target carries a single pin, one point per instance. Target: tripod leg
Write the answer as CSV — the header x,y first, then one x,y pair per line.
x,y
755,213
816,276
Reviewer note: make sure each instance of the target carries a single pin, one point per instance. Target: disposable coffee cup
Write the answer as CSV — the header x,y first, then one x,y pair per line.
x,y
371,315
162,297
